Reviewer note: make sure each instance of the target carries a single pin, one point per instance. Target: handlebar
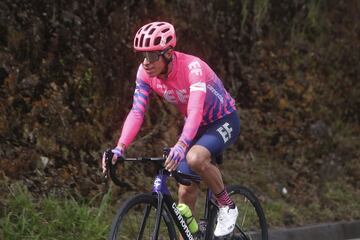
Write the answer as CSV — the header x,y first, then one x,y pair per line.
x,y
182,178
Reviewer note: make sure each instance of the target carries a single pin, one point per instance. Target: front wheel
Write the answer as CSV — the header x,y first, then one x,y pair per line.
x,y
251,223
136,220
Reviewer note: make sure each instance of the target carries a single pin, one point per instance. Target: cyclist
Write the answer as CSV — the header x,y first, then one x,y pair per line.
x,y
211,121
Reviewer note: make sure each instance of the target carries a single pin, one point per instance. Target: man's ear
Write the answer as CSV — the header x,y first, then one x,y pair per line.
x,y
169,53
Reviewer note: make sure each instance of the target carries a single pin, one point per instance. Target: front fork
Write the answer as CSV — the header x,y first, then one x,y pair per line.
x,y
159,188
158,215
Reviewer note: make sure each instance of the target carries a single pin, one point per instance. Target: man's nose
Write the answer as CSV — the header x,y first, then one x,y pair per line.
x,y
145,61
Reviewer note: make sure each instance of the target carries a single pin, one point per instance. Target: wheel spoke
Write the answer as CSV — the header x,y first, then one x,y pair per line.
x,y
251,220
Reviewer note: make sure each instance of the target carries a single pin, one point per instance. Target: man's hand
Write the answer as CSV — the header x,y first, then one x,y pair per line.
x,y
118,152
176,155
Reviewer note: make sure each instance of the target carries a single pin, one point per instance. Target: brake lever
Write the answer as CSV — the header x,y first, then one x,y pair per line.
x,y
166,152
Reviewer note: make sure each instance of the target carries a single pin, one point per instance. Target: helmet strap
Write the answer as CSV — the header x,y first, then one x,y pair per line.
x,y
167,62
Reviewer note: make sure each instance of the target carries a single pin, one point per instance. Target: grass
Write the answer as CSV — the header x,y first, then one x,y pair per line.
x,y
24,217
52,217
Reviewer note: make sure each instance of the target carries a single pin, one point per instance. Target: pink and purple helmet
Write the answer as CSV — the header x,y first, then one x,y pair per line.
x,y
155,36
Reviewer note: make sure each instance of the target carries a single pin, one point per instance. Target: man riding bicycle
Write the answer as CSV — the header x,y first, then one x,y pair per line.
x,y
211,120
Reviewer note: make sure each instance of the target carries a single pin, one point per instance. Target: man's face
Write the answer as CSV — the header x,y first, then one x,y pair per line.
x,y
153,63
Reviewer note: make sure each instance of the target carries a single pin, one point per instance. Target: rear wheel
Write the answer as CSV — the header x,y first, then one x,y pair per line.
x,y
251,223
136,220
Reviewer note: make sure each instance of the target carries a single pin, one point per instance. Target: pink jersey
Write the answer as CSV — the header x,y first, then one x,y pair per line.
x,y
192,86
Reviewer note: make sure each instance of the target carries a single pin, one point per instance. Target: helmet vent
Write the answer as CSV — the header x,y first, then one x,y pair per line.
x,y
157,41
165,30
160,24
137,42
151,31
147,27
141,40
147,42
168,39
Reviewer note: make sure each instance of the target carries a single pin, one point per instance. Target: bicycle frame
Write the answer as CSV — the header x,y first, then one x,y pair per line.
x,y
163,195
161,191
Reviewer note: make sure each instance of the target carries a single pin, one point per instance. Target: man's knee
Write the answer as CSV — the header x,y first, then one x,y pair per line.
x,y
198,158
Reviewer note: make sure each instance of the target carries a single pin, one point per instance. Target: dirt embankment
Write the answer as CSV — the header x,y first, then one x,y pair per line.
x,y
66,81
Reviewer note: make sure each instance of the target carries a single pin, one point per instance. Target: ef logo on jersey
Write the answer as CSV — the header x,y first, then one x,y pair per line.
x,y
225,131
175,96
195,68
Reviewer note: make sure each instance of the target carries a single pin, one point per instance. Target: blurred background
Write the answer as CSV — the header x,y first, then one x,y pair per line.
x,y
67,75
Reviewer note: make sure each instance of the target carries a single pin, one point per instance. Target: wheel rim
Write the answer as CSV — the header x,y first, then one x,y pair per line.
x,y
247,223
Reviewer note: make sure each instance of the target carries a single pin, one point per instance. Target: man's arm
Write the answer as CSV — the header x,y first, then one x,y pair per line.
x,y
194,113
195,106
135,117
195,110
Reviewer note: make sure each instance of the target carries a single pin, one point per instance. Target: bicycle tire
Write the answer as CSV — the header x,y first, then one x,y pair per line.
x,y
251,222
125,226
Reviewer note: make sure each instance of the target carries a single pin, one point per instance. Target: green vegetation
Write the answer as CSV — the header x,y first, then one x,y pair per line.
x,y
52,217
57,218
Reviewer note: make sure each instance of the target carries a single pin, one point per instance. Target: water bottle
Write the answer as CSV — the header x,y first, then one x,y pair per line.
x,y
188,217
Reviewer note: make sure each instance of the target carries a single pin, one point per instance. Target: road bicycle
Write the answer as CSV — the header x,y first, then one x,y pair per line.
x,y
154,215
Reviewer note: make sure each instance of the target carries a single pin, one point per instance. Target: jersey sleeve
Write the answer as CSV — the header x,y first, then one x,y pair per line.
x,y
195,105
135,117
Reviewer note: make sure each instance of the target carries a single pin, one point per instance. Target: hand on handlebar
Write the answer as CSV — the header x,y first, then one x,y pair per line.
x,y
176,155
118,152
